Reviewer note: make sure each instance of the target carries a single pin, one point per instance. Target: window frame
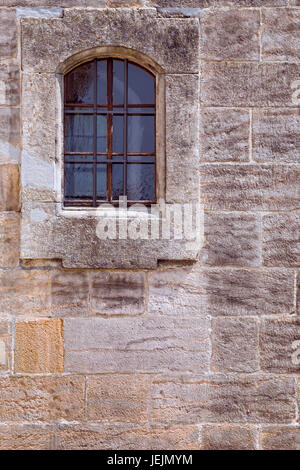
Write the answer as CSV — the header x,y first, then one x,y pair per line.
x,y
159,133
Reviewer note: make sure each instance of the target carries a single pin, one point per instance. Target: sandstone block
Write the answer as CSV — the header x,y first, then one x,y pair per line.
x,y
280,438
9,85
9,240
69,293
9,132
280,35
9,187
25,437
8,33
227,437
5,346
39,346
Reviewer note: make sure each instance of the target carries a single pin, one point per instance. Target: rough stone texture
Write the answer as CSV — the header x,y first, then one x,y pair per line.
x,y
69,293
25,292
25,437
118,293
228,437
9,187
8,34
224,135
250,187
39,346
223,398
53,3
275,135
9,84
121,398
9,240
136,344
5,346
248,84
235,345
9,129
47,399
280,240
207,3
120,437
221,292
277,341
281,35
281,438
231,239
172,44
230,34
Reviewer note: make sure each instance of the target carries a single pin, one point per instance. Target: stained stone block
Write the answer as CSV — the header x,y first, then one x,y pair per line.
x,y
136,344
280,438
9,187
9,133
228,437
129,437
221,398
69,293
224,135
44,399
39,346
248,84
9,85
9,240
280,352
230,34
5,345
172,44
280,239
250,187
118,293
24,292
121,398
25,437
276,135
235,345
280,35
8,33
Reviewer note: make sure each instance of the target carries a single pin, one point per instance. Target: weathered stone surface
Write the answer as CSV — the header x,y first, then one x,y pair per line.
x,y
39,346
136,344
121,398
24,292
231,239
8,33
279,350
281,34
53,3
9,85
281,238
280,438
9,130
9,187
227,437
248,84
224,135
235,345
96,437
5,345
41,398
276,135
173,44
9,240
25,437
186,4
69,293
230,34
250,187
221,292
124,3
182,138
246,398
115,293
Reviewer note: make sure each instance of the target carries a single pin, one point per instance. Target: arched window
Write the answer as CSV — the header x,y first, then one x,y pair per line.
x,y
109,133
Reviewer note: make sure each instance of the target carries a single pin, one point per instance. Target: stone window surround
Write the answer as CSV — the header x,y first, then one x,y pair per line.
x,y
43,215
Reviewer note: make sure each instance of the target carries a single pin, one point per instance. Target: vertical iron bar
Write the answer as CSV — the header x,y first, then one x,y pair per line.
x,y
125,126
95,138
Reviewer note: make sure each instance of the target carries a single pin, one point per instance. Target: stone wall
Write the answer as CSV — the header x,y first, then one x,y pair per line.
x,y
188,356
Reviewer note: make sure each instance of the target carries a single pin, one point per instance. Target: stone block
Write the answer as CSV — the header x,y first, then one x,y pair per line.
x,y
69,293
9,240
280,438
228,437
25,437
9,187
5,345
9,85
280,35
8,33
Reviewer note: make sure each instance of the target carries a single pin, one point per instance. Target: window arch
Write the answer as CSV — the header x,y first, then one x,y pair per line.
x,y
109,133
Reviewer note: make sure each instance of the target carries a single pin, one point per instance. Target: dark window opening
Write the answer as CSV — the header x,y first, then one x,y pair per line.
x,y
109,133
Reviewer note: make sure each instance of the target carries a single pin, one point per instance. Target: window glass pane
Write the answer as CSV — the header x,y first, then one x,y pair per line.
x,y
101,181
79,85
150,110
78,133
140,86
117,181
140,182
118,82
80,158
102,82
138,159
78,180
101,134
141,134
118,134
